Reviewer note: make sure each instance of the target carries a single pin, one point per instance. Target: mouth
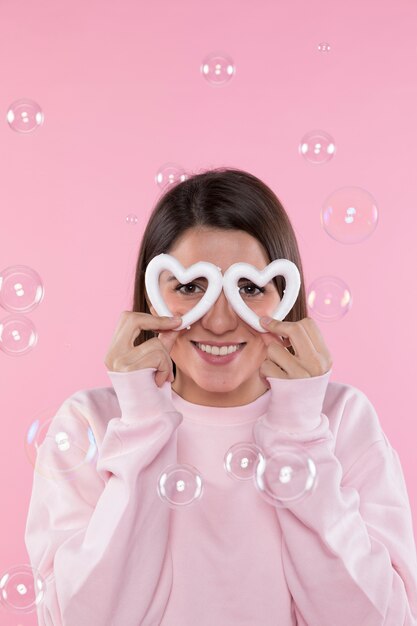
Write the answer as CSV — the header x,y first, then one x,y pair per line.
x,y
217,359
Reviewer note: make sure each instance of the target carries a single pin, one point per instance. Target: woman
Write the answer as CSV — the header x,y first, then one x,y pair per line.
x,y
111,549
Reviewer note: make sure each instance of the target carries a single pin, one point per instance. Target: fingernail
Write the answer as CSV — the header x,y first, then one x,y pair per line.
x,y
266,319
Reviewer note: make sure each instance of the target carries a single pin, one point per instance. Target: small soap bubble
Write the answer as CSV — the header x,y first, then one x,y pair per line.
x,y
22,589
18,335
218,68
131,218
24,115
317,147
58,447
323,47
349,215
21,289
170,174
285,475
180,485
329,298
241,459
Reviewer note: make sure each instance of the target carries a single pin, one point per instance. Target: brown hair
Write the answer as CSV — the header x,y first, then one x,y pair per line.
x,y
219,198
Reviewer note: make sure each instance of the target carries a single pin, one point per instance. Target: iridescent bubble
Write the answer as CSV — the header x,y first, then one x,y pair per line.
x,y
18,335
169,175
317,147
24,115
218,68
329,298
22,589
59,447
21,289
323,47
131,218
349,215
180,485
241,459
285,475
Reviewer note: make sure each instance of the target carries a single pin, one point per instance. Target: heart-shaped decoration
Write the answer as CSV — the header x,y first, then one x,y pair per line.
x,y
228,282
279,267
163,262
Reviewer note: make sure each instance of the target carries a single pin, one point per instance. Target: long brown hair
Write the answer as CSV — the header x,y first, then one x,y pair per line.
x,y
219,198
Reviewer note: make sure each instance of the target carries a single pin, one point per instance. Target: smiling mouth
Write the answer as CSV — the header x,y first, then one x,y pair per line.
x,y
219,350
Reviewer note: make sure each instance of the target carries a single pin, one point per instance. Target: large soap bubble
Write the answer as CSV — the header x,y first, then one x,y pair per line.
x,y
285,475
180,485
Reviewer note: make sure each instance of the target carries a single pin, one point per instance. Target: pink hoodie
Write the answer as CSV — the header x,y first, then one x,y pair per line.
x,y
114,554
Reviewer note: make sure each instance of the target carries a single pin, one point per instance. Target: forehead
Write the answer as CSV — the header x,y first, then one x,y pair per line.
x,y
220,247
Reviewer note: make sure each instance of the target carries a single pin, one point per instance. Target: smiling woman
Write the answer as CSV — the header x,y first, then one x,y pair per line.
x,y
119,547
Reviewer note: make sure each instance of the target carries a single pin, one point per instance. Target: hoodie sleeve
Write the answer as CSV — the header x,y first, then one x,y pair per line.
x,y
99,539
348,547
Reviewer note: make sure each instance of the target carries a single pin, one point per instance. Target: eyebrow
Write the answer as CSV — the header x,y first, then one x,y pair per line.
x,y
171,278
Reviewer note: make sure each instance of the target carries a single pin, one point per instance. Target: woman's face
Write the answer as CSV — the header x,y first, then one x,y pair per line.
x,y
236,381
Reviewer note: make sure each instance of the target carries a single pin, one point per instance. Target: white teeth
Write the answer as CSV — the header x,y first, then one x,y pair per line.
x,y
216,350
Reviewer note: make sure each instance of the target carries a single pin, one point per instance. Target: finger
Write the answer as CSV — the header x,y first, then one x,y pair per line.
x,y
295,332
161,361
269,338
168,339
268,368
315,335
137,355
152,354
280,356
132,324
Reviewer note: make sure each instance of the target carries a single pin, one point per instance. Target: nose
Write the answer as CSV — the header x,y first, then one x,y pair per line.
x,y
221,317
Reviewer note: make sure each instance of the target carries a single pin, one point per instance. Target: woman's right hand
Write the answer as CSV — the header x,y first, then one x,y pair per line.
x,y
124,356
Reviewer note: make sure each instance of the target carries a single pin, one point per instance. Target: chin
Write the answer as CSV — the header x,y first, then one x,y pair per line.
x,y
218,384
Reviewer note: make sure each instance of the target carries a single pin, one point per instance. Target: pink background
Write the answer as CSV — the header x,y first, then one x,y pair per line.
x,y
122,93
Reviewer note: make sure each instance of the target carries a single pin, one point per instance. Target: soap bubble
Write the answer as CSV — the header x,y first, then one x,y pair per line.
x,y
329,298
131,218
24,115
21,289
170,174
349,215
285,475
323,47
218,68
241,459
59,447
317,147
18,335
180,485
22,589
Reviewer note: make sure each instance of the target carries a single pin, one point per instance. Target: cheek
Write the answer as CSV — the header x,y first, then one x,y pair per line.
x,y
266,306
178,303
181,344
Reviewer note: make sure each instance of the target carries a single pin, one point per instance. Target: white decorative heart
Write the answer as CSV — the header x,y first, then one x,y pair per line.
x,y
279,267
229,282
163,262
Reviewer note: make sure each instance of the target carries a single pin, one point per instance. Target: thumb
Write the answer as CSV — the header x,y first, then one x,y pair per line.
x,y
270,338
168,338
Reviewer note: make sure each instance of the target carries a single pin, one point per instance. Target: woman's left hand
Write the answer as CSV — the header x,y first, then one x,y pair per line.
x,y
311,358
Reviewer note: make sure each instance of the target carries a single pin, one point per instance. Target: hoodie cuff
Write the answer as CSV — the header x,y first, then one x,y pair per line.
x,y
139,395
296,404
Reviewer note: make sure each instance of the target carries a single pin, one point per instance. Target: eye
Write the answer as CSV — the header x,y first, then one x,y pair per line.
x,y
187,291
253,286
